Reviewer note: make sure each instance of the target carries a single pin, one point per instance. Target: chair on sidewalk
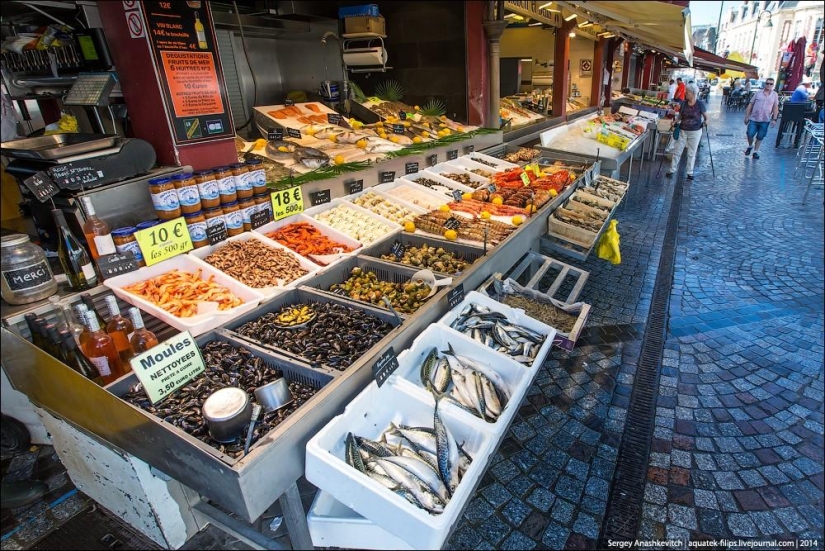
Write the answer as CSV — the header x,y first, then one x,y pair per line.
x,y
792,123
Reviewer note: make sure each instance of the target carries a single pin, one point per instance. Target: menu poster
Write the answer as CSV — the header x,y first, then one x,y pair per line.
x,y
185,51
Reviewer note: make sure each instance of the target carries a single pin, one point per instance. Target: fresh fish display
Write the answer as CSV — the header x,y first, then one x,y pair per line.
x,y
280,150
421,464
470,385
311,157
495,331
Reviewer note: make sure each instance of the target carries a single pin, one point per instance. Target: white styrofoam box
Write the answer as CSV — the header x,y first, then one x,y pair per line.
x,y
601,201
392,227
427,199
517,377
466,163
446,168
436,177
369,415
625,110
333,234
389,198
502,164
270,290
517,317
197,324
333,524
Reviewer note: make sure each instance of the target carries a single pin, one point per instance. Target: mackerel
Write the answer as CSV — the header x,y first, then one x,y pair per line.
x,y
422,471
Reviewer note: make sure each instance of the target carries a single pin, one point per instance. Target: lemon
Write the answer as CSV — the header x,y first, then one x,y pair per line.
x,y
333,138
553,193
259,143
467,196
517,220
425,134
531,208
417,139
361,144
446,131
485,215
417,108
382,135
460,129
497,201
379,124
444,208
407,124
442,125
339,159
394,139
310,131
450,235
409,227
283,149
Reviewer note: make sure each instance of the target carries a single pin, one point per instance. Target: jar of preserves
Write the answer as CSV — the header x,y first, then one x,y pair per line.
x,y
256,175
125,243
247,208
188,196
196,223
226,184
263,202
243,185
214,217
147,224
164,198
208,188
27,276
234,218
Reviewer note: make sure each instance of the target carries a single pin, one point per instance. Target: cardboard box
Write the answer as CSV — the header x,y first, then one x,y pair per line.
x,y
353,25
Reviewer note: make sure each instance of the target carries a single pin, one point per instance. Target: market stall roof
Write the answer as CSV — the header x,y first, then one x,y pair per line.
x,y
707,61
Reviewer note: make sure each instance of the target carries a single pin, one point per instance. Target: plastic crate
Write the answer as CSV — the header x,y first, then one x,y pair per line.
x,y
465,252
391,227
446,168
333,234
367,10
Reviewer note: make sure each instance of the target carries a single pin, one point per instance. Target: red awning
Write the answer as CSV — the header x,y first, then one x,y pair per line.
x,y
707,61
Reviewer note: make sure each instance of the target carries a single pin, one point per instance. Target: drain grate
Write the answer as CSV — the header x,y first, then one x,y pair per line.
x,y
624,504
93,529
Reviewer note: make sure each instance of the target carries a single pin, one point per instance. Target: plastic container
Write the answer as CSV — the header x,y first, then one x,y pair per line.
x,y
503,165
405,191
334,235
391,227
256,175
248,208
188,195
263,203
26,276
447,168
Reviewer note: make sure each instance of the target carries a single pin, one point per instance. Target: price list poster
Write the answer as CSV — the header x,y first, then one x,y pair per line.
x,y
185,52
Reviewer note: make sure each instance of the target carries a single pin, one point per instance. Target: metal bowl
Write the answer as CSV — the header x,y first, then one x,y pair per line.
x,y
226,412
275,395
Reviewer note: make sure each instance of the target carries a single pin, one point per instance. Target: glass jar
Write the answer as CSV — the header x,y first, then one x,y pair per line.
x,y
234,218
243,186
165,198
188,196
226,184
147,224
125,243
263,202
26,273
208,189
214,217
247,208
256,175
196,223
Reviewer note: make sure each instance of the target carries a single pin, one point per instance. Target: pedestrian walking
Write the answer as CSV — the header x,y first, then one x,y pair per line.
x,y
692,115
680,90
671,90
762,112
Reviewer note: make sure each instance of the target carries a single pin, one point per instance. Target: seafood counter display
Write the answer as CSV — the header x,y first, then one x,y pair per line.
x,y
361,225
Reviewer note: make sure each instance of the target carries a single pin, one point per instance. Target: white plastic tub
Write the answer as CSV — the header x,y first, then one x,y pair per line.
x,y
503,165
418,196
415,210
369,415
333,234
197,324
441,180
391,227
452,167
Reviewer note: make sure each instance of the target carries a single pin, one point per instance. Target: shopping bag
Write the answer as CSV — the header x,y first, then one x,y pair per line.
x,y
676,130
608,248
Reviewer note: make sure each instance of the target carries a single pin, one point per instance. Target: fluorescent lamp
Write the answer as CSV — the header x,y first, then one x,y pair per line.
x,y
585,24
510,15
570,17
526,59
537,24
545,5
572,34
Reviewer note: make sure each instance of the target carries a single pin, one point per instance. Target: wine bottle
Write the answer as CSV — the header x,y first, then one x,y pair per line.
x,y
73,257
74,358
120,329
54,340
142,339
80,310
35,332
101,351
98,233
42,337
86,298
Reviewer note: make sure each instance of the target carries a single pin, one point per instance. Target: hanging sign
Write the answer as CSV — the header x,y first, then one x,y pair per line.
x,y
168,366
41,186
182,40
164,241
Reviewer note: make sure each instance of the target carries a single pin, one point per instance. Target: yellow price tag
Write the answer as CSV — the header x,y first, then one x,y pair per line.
x,y
525,178
287,202
164,241
537,171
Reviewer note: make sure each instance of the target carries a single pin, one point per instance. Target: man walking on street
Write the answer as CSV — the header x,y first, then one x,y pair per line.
x,y
680,90
671,91
763,110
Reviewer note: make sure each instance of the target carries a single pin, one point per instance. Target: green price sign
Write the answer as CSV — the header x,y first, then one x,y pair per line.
x,y
287,202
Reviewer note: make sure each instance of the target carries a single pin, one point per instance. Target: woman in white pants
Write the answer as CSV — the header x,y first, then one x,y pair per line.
x,y
692,115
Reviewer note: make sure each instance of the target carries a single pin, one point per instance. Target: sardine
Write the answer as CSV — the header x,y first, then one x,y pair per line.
x,y
428,499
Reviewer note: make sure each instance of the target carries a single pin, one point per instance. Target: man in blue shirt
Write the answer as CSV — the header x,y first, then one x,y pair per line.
x,y
800,95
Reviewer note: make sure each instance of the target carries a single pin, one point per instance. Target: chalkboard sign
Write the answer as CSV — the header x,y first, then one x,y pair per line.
x,y
402,115
398,128
384,366
333,118
398,249
41,186
455,296
452,223
354,186
216,233
386,177
275,134
452,155
319,197
289,102
411,168
260,218
432,160
111,265
469,149
293,133
457,195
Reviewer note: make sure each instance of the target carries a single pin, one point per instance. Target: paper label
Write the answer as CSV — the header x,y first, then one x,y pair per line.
x,y
525,178
168,366
164,241
89,272
102,365
105,244
287,202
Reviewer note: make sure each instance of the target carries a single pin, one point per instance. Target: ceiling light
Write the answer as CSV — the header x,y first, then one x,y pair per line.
x,y
545,5
585,24
570,17
510,15
526,59
537,24
572,34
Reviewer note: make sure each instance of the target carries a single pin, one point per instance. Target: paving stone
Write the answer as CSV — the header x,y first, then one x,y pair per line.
x,y
587,526
520,485
494,530
478,510
542,499
752,478
766,522
496,494
711,522
515,512
742,525
555,537
516,541
562,511
656,494
682,516
569,488
726,501
791,519
705,499
728,481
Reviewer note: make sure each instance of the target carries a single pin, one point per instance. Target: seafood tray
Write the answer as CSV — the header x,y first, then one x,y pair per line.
x,y
393,273
594,201
403,190
318,110
515,316
312,297
355,231
269,422
574,234
268,291
333,234
468,163
398,207
441,181
465,252
369,415
446,168
514,377
197,324
478,157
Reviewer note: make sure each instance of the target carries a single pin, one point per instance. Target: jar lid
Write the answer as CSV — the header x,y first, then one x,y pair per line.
x,y
14,239
254,162
224,404
213,209
230,204
221,168
237,165
159,181
123,232
182,176
149,224
191,214
203,172
262,195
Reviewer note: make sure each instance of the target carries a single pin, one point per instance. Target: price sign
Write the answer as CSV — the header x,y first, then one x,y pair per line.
x,y
452,155
432,160
537,171
452,223
398,128
289,102
111,265
355,186
164,241
293,133
386,177
456,295
216,233
491,188
402,115
168,366
469,149
333,118
41,186
275,134
525,178
398,249
287,202
457,195
319,197
260,218
411,168
384,366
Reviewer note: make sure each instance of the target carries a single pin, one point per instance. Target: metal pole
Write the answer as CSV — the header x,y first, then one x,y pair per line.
x,y
718,27
755,28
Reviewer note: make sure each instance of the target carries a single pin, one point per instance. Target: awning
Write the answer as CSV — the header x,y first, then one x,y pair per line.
x,y
707,61
658,25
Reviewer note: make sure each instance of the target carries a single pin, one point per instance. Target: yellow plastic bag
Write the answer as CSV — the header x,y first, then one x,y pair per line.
x,y
66,125
608,248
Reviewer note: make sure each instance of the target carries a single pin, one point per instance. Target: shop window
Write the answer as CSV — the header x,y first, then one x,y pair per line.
x,y
786,31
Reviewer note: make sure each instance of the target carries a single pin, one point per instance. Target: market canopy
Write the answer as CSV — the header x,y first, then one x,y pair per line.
x,y
707,61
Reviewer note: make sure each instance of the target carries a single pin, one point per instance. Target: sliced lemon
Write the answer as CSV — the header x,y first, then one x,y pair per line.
x,y
460,129
497,201
382,135
417,139
417,108
338,160
409,227
446,131
259,143
333,138
517,220
444,208
485,215
451,235
379,124
553,193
